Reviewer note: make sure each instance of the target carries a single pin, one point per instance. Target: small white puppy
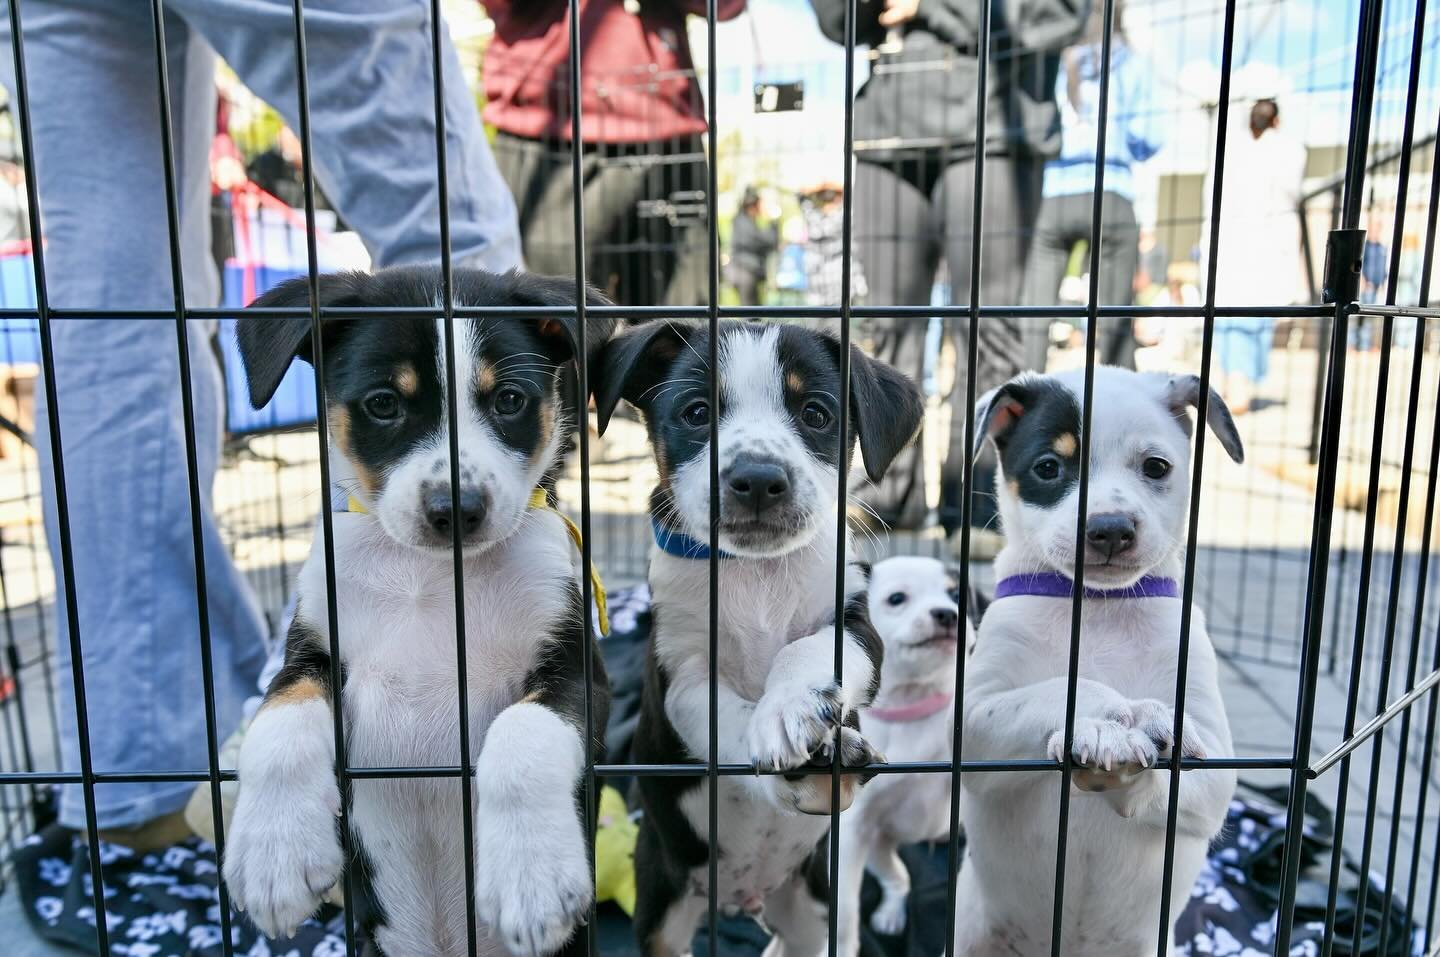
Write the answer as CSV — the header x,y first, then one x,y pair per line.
x,y
914,605
1016,683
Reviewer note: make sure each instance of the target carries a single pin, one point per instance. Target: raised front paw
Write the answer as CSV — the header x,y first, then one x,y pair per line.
x,y
1107,752
283,853
791,722
810,789
1156,720
533,882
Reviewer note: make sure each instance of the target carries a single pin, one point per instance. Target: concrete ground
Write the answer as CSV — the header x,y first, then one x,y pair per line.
x,y
1254,534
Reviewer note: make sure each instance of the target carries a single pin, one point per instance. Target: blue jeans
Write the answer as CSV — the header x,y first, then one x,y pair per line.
x,y
95,116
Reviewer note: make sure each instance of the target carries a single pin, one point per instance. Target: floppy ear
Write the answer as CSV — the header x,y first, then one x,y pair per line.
x,y
633,363
997,411
269,344
1182,393
888,411
562,335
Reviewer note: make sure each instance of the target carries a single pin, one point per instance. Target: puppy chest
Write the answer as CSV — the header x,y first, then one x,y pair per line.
x,y
760,847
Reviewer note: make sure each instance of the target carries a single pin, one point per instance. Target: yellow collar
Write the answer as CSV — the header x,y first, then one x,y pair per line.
x,y
538,500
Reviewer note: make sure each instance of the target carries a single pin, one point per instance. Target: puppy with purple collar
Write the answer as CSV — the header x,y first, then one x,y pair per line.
x,y
915,606
781,456
394,588
1016,682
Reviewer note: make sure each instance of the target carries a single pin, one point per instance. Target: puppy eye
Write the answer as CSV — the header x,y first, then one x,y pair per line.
x,y
509,401
896,598
954,594
815,416
1155,468
696,414
1047,469
382,405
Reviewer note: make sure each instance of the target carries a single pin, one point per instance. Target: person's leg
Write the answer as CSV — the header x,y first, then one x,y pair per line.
x,y
372,122
117,384
895,242
1119,259
1001,351
1049,255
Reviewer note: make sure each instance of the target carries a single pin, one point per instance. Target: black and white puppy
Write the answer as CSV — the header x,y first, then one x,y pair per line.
x,y
780,461
915,607
394,580
1016,682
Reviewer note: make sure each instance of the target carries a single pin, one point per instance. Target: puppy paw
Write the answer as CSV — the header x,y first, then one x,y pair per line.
x,y
1156,720
283,853
791,722
1107,752
535,907
889,917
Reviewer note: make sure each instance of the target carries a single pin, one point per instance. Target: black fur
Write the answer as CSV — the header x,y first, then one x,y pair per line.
x,y
1025,418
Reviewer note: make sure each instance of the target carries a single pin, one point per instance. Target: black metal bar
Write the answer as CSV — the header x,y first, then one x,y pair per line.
x,y
591,793
1187,598
695,770
967,469
842,431
62,503
712,356
995,310
322,434
1092,325
1361,101
192,467
457,549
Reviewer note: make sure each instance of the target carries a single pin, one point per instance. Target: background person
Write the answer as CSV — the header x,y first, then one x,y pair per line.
x,y
1259,253
1131,136
92,67
751,246
642,119
915,142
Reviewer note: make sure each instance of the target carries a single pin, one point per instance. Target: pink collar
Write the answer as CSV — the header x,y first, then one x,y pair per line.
x,y
915,710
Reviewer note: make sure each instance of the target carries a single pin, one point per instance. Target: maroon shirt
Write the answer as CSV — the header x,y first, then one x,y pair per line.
x,y
637,78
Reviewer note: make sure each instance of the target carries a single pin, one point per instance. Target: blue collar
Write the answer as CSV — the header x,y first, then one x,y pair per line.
x,y
681,545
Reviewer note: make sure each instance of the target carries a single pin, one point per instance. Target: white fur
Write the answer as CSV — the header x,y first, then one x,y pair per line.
x,y
756,422
396,626
898,809
284,850
1015,699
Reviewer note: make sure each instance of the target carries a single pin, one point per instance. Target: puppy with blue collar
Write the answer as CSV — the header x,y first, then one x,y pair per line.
x,y
781,456
1016,682
386,381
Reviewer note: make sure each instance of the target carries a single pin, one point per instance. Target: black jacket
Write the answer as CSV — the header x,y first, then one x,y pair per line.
x,y
923,95
751,246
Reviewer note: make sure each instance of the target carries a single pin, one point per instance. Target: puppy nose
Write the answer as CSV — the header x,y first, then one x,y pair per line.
x,y
945,617
758,485
1110,533
440,510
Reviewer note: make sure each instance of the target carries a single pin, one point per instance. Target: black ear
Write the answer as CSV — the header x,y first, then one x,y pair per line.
x,y
997,411
634,363
269,344
888,410
1182,393
563,334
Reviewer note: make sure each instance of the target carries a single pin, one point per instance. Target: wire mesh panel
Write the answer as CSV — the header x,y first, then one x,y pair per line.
x,y
958,158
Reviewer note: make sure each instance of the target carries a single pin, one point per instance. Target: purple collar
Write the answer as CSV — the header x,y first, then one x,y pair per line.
x,y
1056,585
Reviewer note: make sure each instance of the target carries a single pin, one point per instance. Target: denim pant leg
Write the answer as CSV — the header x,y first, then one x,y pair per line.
x,y
92,81
372,125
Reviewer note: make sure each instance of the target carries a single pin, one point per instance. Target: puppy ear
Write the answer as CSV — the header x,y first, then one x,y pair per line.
x,y
1182,393
997,411
269,344
633,363
888,410
562,335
